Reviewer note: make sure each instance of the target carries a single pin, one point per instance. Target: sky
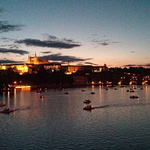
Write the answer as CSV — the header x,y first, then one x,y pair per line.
x,y
81,32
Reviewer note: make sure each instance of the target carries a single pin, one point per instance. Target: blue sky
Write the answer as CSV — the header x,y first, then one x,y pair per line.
x,y
90,32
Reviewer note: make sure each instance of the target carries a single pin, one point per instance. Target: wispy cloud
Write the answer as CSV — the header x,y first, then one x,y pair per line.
x,y
104,42
147,65
5,61
51,41
15,51
130,65
90,63
137,65
5,26
5,39
63,58
46,52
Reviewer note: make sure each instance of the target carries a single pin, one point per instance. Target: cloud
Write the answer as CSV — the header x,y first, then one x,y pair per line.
x,y
104,42
130,65
55,39
46,52
5,39
52,42
4,61
16,51
135,65
6,27
90,63
147,65
60,57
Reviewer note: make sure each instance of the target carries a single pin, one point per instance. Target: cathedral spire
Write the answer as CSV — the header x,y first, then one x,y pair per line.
x,y
35,55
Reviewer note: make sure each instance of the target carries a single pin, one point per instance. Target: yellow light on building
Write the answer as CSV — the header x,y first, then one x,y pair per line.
x,y
100,82
23,87
93,82
119,83
15,82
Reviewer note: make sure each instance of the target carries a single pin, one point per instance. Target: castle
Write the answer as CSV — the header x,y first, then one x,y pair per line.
x,y
36,60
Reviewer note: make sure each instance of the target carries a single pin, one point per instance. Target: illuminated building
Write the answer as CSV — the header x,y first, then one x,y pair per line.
x,y
69,69
36,60
20,68
32,66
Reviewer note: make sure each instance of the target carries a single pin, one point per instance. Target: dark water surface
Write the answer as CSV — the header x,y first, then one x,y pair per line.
x,y
58,120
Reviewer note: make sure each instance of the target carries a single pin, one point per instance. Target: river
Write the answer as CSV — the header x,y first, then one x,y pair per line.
x,y
56,121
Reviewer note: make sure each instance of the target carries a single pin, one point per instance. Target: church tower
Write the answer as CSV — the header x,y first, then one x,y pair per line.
x,y
35,60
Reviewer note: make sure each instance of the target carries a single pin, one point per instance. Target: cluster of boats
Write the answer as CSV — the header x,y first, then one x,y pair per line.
x,y
88,107
132,91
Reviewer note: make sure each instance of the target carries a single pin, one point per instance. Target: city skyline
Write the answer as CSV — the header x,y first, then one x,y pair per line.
x,y
76,31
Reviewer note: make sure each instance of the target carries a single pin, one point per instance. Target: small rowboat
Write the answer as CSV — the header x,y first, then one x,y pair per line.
x,y
7,111
87,101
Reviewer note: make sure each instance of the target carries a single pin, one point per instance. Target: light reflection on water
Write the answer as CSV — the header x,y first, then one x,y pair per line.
x,y
58,121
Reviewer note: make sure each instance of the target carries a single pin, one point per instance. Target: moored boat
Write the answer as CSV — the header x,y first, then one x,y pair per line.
x,y
92,92
7,111
87,101
134,96
66,93
89,107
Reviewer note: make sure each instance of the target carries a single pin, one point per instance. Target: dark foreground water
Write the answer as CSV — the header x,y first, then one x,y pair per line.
x,y
58,121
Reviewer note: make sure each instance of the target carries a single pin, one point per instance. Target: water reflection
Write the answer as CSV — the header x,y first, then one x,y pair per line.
x,y
52,122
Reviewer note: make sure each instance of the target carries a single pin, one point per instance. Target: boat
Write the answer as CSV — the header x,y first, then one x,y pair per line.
x,y
66,93
132,91
2,105
7,111
42,96
87,101
134,96
92,92
89,107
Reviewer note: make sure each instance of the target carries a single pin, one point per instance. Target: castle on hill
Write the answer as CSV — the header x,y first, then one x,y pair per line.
x,y
36,60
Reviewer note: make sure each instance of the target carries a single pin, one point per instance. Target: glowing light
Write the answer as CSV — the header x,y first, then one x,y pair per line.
x,y
119,83
144,82
68,73
23,86
100,82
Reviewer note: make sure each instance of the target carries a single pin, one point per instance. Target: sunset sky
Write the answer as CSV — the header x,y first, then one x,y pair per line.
x,y
87,32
